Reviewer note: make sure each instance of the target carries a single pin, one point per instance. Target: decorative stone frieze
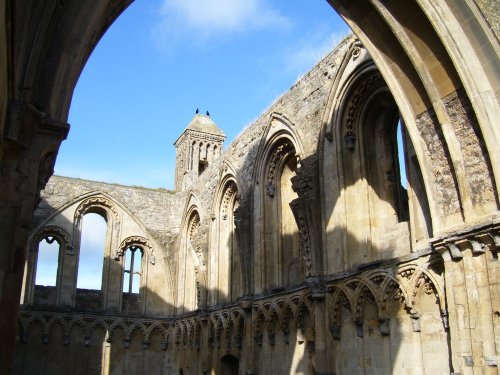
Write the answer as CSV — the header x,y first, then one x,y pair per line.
x,y
478,239
403,284
89,322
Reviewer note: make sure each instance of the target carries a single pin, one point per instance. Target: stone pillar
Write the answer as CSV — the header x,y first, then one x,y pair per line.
x,y
472,297
66,288
204,346
248,362
30,145
320,329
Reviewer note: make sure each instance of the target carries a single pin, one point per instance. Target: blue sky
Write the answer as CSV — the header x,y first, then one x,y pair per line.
x,y
164,58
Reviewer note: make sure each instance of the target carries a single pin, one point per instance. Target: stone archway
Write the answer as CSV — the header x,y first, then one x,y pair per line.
x,y
229,365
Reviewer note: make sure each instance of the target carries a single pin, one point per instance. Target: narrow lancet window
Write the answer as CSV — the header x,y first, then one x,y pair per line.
x,y
47,262
132,271
402,182
92,247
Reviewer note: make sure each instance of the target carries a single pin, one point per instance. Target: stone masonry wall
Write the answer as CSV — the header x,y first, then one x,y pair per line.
x,y
156,209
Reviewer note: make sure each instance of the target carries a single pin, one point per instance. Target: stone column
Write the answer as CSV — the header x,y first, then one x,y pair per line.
x,y
248,362
320,328
472,300
30,145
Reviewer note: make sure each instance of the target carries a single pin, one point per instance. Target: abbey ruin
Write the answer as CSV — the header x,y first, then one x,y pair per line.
x,y
293,250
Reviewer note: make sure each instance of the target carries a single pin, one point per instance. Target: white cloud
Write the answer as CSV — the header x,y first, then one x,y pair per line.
x,y
204,19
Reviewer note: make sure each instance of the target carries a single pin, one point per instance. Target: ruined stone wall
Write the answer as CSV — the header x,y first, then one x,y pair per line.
x,y
366,301
157,209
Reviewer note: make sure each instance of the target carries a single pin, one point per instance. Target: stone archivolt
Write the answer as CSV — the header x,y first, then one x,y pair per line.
x,y
52,231
95,202
144,243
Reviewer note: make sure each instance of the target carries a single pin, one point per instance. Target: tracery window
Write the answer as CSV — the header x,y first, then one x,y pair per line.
x,y
132,270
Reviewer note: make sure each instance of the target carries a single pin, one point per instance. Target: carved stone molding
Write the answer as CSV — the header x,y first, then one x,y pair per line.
x,y
404,284
87,323
305,239
229,193
139,241
356,101
282,151
53,231
91,202
302,184
280,313
478,239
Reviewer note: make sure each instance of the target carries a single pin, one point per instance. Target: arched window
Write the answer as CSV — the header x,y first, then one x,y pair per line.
x,y
192,264
229,365
202,159
132,269
92,249
369,208
47,261
45,265
227,261
281,240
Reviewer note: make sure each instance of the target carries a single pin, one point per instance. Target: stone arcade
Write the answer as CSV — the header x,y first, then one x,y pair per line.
x,y
296,250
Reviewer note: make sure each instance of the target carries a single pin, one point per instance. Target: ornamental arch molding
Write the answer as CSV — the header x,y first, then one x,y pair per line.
x,y
140,241
279,129
94,204
55,231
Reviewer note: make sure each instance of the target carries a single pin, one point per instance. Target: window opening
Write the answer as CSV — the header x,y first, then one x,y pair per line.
x,y
401,155
203,164
401,181
132,270
92,247
47,262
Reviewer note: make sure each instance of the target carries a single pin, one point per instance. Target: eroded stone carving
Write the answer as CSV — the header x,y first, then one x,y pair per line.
x,y
281,152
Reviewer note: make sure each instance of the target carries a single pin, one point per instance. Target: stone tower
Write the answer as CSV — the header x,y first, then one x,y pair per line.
x,y
197,147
